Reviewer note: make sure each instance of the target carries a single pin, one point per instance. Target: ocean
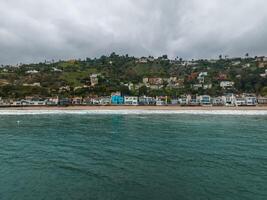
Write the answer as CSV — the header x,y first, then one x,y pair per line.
x,y
135,156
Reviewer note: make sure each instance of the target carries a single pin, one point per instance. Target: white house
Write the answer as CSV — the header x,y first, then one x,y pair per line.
x,y
228,99
131,100
32,72
226,84
53,101
217,101
202,74
94,79
262,100
240,101
251,100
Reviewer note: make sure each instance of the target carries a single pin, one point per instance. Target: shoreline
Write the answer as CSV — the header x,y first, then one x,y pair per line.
x,y
142,108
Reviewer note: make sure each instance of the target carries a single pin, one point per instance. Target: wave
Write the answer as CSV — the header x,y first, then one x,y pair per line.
x,y
132,112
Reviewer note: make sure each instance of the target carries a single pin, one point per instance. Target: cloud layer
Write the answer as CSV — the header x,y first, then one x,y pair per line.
x,y
33,31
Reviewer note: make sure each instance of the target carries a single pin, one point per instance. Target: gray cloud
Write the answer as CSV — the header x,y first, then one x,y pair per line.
x,y
33,31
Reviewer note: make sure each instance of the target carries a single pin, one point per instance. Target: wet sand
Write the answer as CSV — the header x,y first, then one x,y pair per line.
x,y
135,108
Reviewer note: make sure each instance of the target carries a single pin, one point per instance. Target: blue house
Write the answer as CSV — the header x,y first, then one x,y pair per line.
x,y
205,100
117,100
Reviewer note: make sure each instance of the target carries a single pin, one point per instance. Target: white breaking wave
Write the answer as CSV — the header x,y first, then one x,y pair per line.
x,y
132,112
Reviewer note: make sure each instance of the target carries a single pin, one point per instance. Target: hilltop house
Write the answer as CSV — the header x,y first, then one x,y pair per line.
x,y
94,79
196,86
32,84
32,72
264,75
222,77
226,84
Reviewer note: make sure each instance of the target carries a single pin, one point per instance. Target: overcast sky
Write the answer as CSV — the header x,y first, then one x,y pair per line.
x,y
38,30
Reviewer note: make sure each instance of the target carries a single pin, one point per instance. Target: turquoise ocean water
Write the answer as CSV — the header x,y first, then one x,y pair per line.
x,y
183,156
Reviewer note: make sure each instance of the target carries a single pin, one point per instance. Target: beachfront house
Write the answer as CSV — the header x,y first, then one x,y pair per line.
x,y
52,101
4,102
64,102
240,101
144,100
104,100
117,98
217,101
262,100
174,101
161,100
228,99
131,100
183,100
77,101
204,100
251,99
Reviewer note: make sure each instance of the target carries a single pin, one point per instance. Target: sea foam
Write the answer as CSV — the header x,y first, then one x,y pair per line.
x,y
132,112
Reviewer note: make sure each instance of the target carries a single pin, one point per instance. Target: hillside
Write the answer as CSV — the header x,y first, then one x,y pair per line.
x,y
128,75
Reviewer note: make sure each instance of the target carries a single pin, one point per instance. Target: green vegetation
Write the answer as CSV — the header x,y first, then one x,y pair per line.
x,y
116,73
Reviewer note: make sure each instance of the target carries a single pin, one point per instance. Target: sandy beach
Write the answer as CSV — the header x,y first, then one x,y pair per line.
x,y
156,108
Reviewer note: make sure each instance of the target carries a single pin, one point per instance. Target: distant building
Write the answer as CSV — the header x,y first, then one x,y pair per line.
x,y
226,84
94,79
196,86
193,76
207,86
32,72
222,77
203,74
32,84
142,60
264,75
56,69
201,79
64,89
261,59
155,81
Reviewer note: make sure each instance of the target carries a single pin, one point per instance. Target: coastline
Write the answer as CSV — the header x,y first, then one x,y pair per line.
x,y
144,108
